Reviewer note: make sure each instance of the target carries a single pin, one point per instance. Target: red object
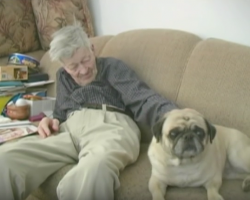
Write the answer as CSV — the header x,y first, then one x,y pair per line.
x,y
37,117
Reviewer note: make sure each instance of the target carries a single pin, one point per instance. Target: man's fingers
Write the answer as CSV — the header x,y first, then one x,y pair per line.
x,y
44,131
55,125
47,126
43,128
41,132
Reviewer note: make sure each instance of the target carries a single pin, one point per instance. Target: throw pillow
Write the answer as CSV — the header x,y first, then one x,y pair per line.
x,y
18,32
51,15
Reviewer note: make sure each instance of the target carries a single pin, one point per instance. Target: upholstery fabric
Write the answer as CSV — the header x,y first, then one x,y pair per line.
x,y
51,15
158,56
134,185
18,32
32,197
215,82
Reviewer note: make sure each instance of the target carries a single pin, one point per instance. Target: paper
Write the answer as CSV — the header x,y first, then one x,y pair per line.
x,y
5,122
4,119
38,83
14,132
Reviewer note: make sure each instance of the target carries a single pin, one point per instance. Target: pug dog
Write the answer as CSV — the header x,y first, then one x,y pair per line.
x,y
188,151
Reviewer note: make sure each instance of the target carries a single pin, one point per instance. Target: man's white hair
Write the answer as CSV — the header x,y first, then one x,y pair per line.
x,y
67,40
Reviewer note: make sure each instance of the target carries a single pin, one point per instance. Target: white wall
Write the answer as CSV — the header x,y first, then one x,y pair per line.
x,y
225,19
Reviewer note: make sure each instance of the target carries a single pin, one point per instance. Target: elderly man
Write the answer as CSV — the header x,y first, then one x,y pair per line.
x,y
99,101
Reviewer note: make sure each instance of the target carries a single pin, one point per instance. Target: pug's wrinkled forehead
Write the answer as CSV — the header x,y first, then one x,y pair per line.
x,y
183,119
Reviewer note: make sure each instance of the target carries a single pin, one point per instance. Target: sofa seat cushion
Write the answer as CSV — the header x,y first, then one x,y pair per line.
x,y
134,185
17,27
51,15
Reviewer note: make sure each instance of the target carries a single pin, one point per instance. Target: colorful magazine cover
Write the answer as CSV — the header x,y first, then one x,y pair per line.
x,y
13,132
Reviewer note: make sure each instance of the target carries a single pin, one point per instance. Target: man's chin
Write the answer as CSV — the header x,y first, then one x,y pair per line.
x,y
82,83
85,82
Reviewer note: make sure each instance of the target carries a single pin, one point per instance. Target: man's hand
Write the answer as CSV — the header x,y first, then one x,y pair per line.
x,y
47,126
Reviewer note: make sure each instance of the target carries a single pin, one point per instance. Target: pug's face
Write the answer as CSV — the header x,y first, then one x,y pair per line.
x,y
184,132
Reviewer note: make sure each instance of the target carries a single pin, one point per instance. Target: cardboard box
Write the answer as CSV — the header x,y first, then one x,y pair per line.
x,y
13,72
38,106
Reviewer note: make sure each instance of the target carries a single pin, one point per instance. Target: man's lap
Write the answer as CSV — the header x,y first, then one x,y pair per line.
x,y
108,129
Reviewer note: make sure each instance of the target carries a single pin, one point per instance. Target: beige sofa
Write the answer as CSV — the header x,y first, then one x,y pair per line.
x,y
212,76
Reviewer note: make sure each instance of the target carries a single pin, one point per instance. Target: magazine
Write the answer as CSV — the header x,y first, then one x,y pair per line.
x,y
6,121
14,123
13,132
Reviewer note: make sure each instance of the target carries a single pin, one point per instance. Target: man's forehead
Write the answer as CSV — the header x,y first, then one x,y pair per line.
x,y
82,52
77,57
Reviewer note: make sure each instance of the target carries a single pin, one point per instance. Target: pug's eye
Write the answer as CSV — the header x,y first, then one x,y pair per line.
x,y
199,133
173,134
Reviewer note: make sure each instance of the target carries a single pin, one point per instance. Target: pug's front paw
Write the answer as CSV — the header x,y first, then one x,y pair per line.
x,y
215,197
246,184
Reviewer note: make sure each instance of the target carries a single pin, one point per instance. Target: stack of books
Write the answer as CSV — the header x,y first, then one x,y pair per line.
x,y
21,75
10,89
11,130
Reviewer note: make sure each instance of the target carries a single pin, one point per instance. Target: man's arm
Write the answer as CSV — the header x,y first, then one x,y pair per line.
x,y
57,114
146,105
62,95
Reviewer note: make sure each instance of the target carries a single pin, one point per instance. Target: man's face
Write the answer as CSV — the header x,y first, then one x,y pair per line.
x,y
81,66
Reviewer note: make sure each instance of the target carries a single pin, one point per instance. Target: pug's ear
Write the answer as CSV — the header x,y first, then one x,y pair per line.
x,y
211,130
157,129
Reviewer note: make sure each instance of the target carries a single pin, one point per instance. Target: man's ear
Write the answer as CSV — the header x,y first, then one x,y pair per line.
x,y
211,130
157,129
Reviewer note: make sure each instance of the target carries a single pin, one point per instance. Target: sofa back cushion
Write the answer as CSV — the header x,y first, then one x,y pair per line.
x,y
158,56
17,27
51,15
216,82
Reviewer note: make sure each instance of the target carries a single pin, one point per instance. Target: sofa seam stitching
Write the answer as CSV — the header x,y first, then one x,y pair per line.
x,y
183,72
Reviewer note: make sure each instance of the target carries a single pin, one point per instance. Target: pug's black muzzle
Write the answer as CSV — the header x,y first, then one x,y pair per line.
x,y
188,144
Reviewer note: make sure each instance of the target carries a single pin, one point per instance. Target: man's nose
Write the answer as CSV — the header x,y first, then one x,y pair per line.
x,y
82,69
